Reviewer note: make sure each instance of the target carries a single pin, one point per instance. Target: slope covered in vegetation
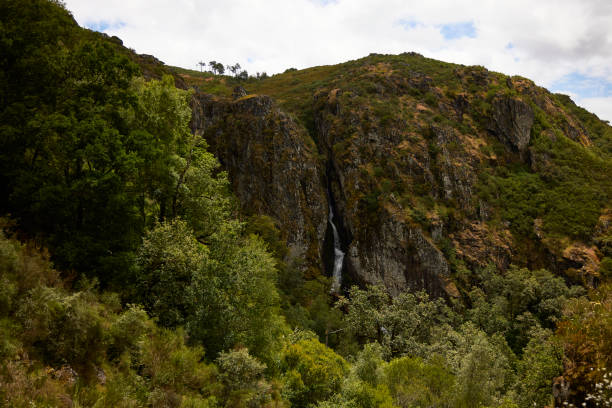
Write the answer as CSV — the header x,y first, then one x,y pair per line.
x,y
134,271
463,153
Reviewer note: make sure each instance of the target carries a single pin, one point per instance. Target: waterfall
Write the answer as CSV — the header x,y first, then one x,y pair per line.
x,y
338,255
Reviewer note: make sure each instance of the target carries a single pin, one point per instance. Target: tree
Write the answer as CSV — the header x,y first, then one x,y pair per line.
x,y
220,69
234,69
409,323
216,67
414,382
72,158
213,66
235,300
481,366
242,377
167,261
313,372
365,385
516,301
541,362
243,75
202,64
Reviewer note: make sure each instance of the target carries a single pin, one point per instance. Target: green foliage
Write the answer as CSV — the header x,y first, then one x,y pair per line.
x,y
557,193
235,300
365,385
70,327
368,364
242,377
168,259
169,363
93,143
364,395
313,372
413,382
66,154
101,167
178,177
542,360
482,368
408,323
128,330
224,292
605,267
515,302
586,333
56,344
519,194
599,132
573,206
431,100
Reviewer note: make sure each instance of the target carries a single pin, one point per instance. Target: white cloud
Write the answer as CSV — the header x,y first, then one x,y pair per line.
x,y
602,107
550,38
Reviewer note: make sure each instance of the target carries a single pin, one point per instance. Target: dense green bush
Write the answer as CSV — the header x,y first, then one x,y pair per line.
x,y
413,382
313,372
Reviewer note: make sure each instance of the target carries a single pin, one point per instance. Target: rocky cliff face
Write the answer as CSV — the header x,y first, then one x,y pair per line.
x,y
430,169
384,246
273,169
511,122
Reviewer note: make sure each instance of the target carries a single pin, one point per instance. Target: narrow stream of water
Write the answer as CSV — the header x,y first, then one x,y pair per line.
x,y
338,256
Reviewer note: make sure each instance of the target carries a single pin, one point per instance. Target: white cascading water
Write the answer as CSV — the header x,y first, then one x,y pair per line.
x,y
338,256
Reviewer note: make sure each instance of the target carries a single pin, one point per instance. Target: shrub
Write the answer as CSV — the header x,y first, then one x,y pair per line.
x,y
66,328
313,372
171,365
413,382
242,378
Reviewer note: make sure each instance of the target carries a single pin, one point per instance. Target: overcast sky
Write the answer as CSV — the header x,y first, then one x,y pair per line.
x,y
564,45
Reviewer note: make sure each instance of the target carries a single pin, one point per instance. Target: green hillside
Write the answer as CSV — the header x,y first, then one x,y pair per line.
x,y
165,237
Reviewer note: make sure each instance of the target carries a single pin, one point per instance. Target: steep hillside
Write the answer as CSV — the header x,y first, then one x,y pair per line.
x,y
130,277
432,169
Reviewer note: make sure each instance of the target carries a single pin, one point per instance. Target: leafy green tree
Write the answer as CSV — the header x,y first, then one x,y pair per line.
x,y
235,300
243,75
365,385
482,367
413,382
369,364
68,328
66,155
33,35
168,259
216,67
408,323
242,377
313,372
515,302
364,395
234,69
171,365
128,330
76,170
177,176
224,293
541,362
161,131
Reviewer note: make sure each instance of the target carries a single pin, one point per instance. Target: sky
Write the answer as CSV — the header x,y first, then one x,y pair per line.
x,y
563,45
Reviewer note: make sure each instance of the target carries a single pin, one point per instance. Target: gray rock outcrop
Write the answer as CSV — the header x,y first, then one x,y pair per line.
x,y
511,122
